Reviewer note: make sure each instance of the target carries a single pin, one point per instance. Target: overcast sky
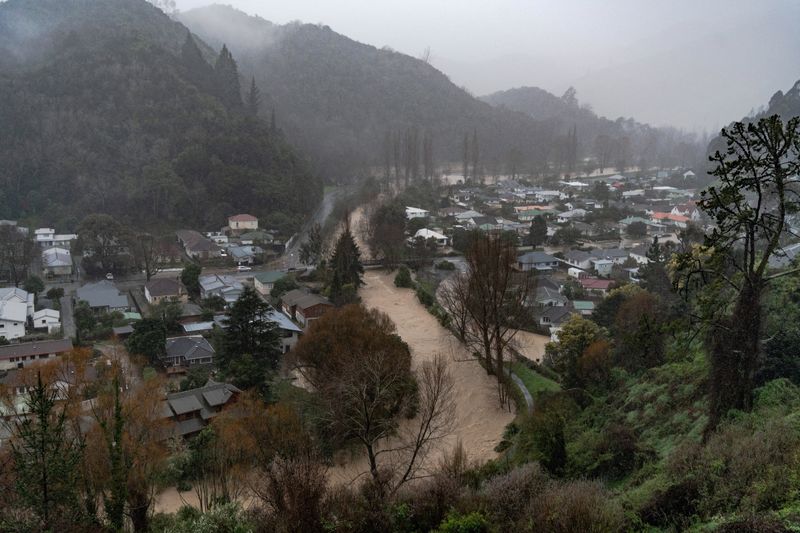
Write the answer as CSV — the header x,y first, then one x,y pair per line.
x,y
666,62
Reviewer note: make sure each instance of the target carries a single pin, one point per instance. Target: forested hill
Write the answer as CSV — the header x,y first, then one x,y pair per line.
x,y
338,99
786,105
599,136
109,106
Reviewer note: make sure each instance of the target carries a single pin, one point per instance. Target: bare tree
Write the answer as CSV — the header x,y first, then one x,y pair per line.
x,y
16,253
147,252
491,302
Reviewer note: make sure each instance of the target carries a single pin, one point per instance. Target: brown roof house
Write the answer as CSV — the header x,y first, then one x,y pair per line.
x,y
196,245
159,289
21,355
242,223
304,307
192,410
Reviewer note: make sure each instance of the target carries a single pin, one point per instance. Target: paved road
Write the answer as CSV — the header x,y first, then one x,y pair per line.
x,y
67,317
291,257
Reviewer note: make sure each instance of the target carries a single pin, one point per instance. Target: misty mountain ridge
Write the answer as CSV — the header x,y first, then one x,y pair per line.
x,y
338,99
119,113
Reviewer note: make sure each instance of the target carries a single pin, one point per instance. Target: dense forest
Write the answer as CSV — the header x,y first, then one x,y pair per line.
x,y
113,107
340,99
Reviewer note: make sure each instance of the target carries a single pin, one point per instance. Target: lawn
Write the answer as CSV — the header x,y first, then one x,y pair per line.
x,y
534,382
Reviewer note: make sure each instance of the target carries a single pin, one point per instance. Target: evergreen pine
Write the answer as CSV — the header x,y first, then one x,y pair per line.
x,y
253,99
227,76
46,457
346,269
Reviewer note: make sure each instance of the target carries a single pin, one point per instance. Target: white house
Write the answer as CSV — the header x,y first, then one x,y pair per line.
x,y
56,262
14,294
688,174
242,223
424,233
539,261
416,212
13,316
48,319
569,216
602,266
47,238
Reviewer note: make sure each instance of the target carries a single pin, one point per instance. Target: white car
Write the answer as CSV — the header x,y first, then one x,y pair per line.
x,y
110,276
243,268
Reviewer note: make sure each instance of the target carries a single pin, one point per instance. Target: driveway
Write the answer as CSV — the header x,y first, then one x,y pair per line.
x,y
67,317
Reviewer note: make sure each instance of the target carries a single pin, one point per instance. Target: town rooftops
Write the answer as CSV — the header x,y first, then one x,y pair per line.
x,y
596,284
670,216
159,287
536,257
15,294
26,349
269,277
13,311
56,257
189,348
426,233
205,402
302,299
102,294
244,217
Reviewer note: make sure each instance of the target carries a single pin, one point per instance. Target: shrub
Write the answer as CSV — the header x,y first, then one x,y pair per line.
x,y
508,496
472,523
425,295
575,506
403,278
445,265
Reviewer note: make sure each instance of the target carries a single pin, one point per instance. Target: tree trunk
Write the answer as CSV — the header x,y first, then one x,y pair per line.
x,y
734,355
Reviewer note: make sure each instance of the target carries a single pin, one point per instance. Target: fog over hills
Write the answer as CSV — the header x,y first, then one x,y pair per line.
x,y
685,64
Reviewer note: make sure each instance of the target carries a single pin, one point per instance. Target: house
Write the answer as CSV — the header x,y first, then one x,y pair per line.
x,y
47,238
188,351
56,262
193,410
539,261
158,290
784,257
569,216
245,255
450,211
196,245
48,319
425,234
553,318
596,285
466,216
583,307
20,355
578,259
226,287
602,266
616,255
639,254
14,294
304,307
416,212
103,296
653,228
547,297
254,237
290,333
13,317
242,223
577,273
264,282
678,221
687,209
485,223
689,175
218,238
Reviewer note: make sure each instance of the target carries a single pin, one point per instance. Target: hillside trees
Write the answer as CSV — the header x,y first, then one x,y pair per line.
x,y
758,179
16,252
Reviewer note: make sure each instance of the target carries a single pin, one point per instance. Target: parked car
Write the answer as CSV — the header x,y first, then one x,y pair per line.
x,y
110,276
243,268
